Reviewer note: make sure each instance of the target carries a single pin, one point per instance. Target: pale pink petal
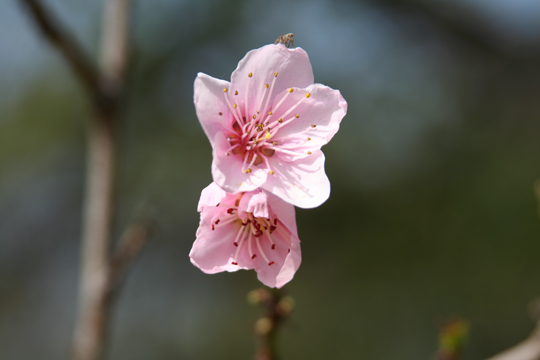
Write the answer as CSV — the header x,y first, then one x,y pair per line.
x,y
243,231
304,185
292,263
210,196
291,65
255,202
286,263
324,108
209,103
227,169
212,248
284,211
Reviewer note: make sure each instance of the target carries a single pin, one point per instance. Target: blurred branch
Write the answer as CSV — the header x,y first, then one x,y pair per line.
x,y
81,64
529,349
101,272
131,244
277,308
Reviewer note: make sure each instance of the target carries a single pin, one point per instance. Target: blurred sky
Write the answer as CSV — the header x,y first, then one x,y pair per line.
x,y
432,212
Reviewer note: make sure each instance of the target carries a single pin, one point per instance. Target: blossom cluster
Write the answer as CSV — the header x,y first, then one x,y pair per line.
x,y
266,128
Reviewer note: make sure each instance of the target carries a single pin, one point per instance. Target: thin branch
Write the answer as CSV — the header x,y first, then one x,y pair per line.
x,y
75,55
131,244
97,286
276,309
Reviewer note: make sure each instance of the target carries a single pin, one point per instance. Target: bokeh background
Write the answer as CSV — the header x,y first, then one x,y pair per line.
x,y
432,213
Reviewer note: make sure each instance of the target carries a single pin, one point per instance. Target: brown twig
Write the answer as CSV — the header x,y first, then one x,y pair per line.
x,y
276,309
101,272
75,55
100,275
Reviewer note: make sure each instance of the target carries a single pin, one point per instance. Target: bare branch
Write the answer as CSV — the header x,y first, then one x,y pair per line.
x,y
77,58
276,309
132,242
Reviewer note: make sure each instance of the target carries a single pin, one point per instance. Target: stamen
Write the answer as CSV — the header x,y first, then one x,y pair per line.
x,y
291,109
249,246
271,240
237,236
261,250
245,161
262,98
245,233
226,222
246,107
252,162
231,108
270,92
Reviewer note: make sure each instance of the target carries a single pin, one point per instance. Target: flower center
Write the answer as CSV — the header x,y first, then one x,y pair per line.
x,y
252,231
252,130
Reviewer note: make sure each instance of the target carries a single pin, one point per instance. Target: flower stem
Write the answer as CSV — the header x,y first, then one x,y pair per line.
x,y
277,308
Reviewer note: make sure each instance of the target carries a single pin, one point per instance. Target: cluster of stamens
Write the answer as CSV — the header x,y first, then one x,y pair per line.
x,y
253,131
252,231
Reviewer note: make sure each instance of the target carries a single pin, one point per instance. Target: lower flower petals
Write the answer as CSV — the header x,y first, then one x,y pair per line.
x,y
244,232
212,248
304,185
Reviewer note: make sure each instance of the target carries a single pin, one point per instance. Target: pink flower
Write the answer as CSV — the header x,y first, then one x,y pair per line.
x,y
267,125
253,230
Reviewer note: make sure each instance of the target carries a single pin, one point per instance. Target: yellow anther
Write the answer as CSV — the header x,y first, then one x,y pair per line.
x,y
291,89
308,95
266,86
272,171
270,113
257,111
225,90
236,93
247,171
280,120
309,152
308,138
275,74
313,126
268,135
234,106
228,154
274,143
250,74
254,116
297,116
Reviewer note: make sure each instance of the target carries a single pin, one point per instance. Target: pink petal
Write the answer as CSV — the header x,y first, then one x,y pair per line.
x,y
284,211
286,264
291,65
227,170
324,108
255,202
210,196
209,103
212,249
304,184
